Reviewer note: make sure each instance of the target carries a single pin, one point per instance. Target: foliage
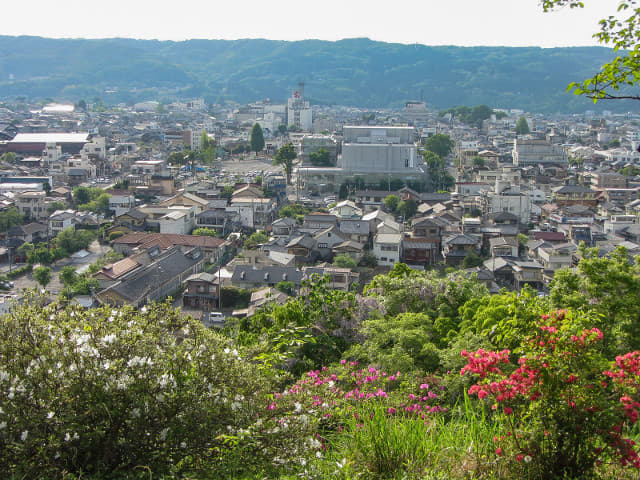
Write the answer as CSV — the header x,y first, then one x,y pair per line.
x,y
630,171
293,210
344,261
233,297
42,275
522,127
9,218
616,79
407,208
287,287
70,240
473,116
93,199
438,175
209,232
606,286
472,260
310,330
19,272
285,157
391,202
100,392
75,284
53,206
440,144
563,414
8,157
208,150
257,138
321,158
255,239
368,260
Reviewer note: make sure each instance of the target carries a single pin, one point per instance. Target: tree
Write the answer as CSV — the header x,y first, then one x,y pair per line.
x,y
208,150
391,202
42,275
440,144
286,287
321,158
522,127
8,157
344,261
285,157
408,208
255,239
616,79
209,232
257,138
68,275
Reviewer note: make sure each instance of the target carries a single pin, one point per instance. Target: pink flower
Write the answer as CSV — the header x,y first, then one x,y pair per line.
x,y
423,386
499,451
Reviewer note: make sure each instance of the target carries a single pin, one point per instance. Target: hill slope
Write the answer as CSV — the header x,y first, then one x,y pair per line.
x,y
350,72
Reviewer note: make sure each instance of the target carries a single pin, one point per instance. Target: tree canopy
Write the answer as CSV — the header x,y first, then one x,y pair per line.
x,y
617,78
440,144
257,138
522,127
285,157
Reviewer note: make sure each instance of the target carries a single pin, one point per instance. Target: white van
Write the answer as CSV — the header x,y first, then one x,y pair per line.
x,y
213,320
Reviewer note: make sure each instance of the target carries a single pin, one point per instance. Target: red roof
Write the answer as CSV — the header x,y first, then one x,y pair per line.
x,y
168,240
549,236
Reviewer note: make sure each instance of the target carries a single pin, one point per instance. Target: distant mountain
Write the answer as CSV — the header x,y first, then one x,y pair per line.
x,y
357,72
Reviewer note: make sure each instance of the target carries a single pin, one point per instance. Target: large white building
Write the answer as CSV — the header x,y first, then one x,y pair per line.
x,y
536,151
299,113
371,153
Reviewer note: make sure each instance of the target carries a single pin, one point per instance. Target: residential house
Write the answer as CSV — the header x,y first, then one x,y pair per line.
x,y
212,247
133,220
327,239
574,195
252,276
346,210
161,278
356,230
283,226
387,248
121,201
202,292
338,278
59,220
458,246
31,232
503,247
31,204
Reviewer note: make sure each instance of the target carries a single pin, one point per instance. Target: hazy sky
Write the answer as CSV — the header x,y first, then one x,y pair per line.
x,y
430,22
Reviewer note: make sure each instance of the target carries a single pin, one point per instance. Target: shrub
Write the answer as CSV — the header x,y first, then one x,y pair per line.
x,y
563,413
90,392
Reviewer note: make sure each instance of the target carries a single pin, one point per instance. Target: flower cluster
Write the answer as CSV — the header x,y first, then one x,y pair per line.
x,y
573,418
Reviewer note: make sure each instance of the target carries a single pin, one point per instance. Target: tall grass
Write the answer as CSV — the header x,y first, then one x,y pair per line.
x,y
376,444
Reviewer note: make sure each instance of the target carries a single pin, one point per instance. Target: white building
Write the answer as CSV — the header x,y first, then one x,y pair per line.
x,y
386,248
536,151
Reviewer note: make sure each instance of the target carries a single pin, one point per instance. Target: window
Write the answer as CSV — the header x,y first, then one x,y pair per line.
x,y
323,245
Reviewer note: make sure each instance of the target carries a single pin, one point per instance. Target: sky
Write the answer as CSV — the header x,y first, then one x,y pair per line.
x,y
429,22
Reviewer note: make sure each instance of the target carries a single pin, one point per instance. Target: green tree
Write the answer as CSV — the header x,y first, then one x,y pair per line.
x,y
285,157
42,275
478,162
408,208
391,202
257,138
209,232
8,157
68,275
286,287
344,261
208,150
53,206
440,144
9,218
255,239
321,158
522,127
616,79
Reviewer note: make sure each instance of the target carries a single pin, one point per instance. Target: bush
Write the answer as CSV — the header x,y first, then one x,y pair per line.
x,y
114,235
18,272
97,391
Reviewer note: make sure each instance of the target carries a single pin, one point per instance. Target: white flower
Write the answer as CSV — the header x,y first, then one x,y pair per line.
x,y
24,435
342,463
183,445
298,407
143,309
108,339
164,433
50,415
318,454
67,437
227,350
76,436
527,459
135,412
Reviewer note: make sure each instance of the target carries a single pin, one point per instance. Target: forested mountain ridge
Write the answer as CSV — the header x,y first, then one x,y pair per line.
x,y
358,72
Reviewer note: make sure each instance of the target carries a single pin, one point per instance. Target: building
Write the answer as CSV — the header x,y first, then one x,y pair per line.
x,y
537,151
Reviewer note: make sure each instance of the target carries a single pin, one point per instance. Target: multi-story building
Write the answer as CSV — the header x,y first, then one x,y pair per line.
x,y
537,151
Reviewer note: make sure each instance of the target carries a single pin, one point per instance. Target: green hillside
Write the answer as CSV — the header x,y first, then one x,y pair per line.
x,y
358,72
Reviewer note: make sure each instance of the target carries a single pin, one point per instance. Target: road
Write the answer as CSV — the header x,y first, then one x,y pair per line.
x,y
96,251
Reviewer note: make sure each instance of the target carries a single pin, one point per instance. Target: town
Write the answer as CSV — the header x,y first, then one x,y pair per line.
x,y
226,208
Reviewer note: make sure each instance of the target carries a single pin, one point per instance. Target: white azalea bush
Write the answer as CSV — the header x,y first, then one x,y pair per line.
x,y
108,390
